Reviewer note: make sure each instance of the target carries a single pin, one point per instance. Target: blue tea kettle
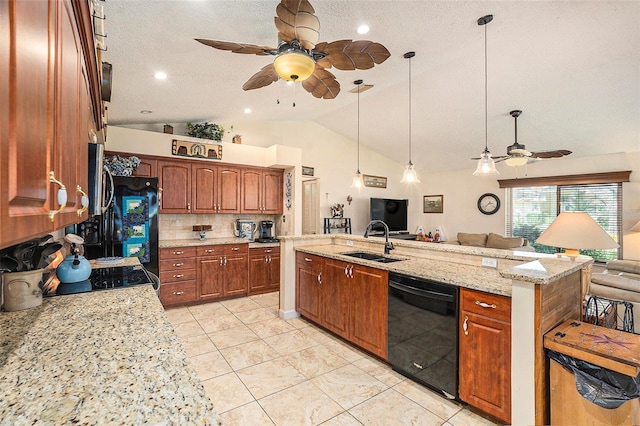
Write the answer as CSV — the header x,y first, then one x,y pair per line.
x,y
74,268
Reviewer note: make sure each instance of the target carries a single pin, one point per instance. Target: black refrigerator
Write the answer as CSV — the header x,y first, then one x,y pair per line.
x,y
129,227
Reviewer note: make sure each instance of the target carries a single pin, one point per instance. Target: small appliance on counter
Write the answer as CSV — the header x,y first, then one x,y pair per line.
x,y
266,232
244,228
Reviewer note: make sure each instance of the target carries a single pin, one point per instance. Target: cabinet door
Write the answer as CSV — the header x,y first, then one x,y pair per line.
x,y
272,192
148,167
228,190
251,191
26,113
368,294
204,180
236,277
209,277
485,364
258,273
174,179
335,291
274,272
308,283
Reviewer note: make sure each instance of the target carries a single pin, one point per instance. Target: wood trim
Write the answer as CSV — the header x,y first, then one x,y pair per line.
x,y
589,178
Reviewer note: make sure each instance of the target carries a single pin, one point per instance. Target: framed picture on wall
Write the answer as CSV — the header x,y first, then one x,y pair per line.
x,y
433,203
307,171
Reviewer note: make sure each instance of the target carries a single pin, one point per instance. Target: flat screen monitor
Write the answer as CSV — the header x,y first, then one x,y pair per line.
x,y
391,212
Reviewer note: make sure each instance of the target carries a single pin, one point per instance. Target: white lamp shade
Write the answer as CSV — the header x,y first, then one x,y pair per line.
x,y
576,230
358,181
486,165
410,175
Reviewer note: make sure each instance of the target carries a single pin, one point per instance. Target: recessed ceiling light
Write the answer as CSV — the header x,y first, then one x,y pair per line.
x,y
145,111
363,29
247,110
160,75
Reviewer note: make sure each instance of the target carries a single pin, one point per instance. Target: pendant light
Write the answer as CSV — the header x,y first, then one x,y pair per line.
x,y
358,182
410,175
486,164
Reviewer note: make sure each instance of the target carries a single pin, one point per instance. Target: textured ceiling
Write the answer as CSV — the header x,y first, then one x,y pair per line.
x,y
573,68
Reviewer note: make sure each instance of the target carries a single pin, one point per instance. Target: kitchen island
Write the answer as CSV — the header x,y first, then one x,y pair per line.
x,y
544,290
104,357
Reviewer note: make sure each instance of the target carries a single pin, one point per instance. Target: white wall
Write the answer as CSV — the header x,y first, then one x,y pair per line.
x,y
334,159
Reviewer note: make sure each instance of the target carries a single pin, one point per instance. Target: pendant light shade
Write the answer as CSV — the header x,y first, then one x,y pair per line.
x,y
410,175
358,181
486,164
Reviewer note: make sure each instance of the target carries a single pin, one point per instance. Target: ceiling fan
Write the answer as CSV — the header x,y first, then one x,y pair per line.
x,y
299,56
517,155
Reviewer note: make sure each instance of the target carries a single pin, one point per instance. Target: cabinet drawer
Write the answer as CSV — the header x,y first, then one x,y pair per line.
x,y
486,304
177,252
172,294
308,259
236,249
209,251
177,264
177,276
273,251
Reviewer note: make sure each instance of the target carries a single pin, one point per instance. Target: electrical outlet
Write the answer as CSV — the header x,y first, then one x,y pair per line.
x,y
491,263
350,243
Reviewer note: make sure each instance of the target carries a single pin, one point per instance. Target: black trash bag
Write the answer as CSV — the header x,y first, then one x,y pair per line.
x,y
603,387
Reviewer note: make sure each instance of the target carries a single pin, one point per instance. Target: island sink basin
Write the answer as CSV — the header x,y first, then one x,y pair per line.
x,y
371,256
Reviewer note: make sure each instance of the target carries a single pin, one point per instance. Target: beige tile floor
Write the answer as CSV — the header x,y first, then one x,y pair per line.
x,y
261,370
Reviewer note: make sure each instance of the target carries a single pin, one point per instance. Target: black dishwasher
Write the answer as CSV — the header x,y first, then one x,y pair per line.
x,y
423,332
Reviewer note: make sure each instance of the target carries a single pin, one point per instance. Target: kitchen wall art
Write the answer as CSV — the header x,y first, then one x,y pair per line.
x,y
209,151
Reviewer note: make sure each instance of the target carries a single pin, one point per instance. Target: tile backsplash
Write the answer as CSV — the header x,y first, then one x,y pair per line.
x,y
180,226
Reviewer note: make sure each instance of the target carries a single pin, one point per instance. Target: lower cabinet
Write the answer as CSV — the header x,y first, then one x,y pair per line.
x,y
348,299
222,271
264,270
485,352
178,275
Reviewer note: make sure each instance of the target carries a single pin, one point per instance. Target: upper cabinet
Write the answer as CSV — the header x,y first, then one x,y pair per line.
x,y
47,111
261,191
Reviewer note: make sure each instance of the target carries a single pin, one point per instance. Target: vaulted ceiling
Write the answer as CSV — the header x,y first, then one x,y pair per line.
x,y
573,67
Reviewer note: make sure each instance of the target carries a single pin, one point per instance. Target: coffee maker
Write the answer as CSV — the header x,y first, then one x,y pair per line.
x,y
266,232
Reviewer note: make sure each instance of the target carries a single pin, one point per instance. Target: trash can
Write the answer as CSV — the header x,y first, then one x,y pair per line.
x,y
594,376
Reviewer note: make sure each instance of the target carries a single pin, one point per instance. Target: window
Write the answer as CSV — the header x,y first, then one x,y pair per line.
x,y
532,209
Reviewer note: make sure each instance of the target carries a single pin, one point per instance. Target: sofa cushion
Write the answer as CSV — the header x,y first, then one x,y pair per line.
x,y
616,281
500,242
476,240
631,266
613,293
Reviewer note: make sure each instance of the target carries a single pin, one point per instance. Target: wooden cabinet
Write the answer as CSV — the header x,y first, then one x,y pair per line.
x,y
348,299
485,352
308,285
148,167
261,191
264,270
43,121
222,271
177,275
174,181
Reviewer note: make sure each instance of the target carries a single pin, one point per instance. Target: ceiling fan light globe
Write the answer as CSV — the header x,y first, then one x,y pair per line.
x,y
516,161
486,165
410,175
294,66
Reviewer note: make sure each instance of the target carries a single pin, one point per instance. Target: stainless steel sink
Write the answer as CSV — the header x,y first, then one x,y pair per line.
x,y
371,256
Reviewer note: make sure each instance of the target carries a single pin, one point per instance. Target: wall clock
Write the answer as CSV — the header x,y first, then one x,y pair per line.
x,y
488,203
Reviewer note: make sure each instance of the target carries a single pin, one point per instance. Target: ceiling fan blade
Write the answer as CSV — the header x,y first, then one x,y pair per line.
x,y
322,84
296,21
352,55
556,153
262,78
250,49
498,158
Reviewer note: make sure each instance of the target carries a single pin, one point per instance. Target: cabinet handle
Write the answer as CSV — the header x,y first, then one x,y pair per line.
x,y
346,270
306,259
84,201
320,277
268,251
486,305
177,252
266,259
465,327
220,260
189,206
178,293
62,195
351,272
178,264
218,207
160,196
93,137
178,275
225,261
416,365
235,248
269,259
209,251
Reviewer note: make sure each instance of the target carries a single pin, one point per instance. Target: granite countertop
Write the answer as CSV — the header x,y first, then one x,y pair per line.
x,y
538,271
97,358
212,242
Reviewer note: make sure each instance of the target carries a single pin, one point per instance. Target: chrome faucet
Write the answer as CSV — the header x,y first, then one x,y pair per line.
x,y
387,245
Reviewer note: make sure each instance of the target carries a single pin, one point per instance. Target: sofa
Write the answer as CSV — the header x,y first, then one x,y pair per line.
x,y
619,281
492,240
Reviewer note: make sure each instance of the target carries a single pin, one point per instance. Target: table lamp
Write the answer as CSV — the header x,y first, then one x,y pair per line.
x,y
574,231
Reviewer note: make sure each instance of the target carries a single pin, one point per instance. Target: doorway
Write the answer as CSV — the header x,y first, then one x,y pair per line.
x,y
310,206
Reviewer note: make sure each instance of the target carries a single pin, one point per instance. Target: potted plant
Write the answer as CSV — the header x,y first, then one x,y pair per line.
x,y
206,130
